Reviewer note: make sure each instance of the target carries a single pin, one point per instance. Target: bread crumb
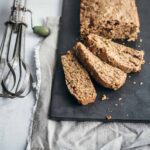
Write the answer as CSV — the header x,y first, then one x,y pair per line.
x,y
120,99
134,82
104,97
141,83
116,105
108,117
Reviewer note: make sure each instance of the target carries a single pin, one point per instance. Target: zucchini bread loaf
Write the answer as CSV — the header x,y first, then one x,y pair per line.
x,y
77,80
114,19
125,58
105,74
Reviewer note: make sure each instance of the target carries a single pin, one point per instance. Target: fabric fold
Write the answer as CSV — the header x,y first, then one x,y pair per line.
x,y
45,60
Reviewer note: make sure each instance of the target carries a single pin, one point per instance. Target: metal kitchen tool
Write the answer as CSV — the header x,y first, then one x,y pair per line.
x,y
15,77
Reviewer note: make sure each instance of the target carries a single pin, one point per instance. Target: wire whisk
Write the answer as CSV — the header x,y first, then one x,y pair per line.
x,y
15,76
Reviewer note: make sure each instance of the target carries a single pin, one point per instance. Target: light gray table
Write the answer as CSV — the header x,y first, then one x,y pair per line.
x,y
15,114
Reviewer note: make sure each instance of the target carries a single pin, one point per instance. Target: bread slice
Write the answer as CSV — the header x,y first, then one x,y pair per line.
x,y
105,74
77,80
114,19
125,58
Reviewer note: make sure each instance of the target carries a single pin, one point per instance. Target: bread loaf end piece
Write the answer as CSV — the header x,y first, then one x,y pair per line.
x,y
113,19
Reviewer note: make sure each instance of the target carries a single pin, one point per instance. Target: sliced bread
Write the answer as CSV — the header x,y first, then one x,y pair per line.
x,y
125,58
77,80
105,74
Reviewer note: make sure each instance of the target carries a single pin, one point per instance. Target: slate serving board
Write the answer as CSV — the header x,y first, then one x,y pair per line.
x,y
135,103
